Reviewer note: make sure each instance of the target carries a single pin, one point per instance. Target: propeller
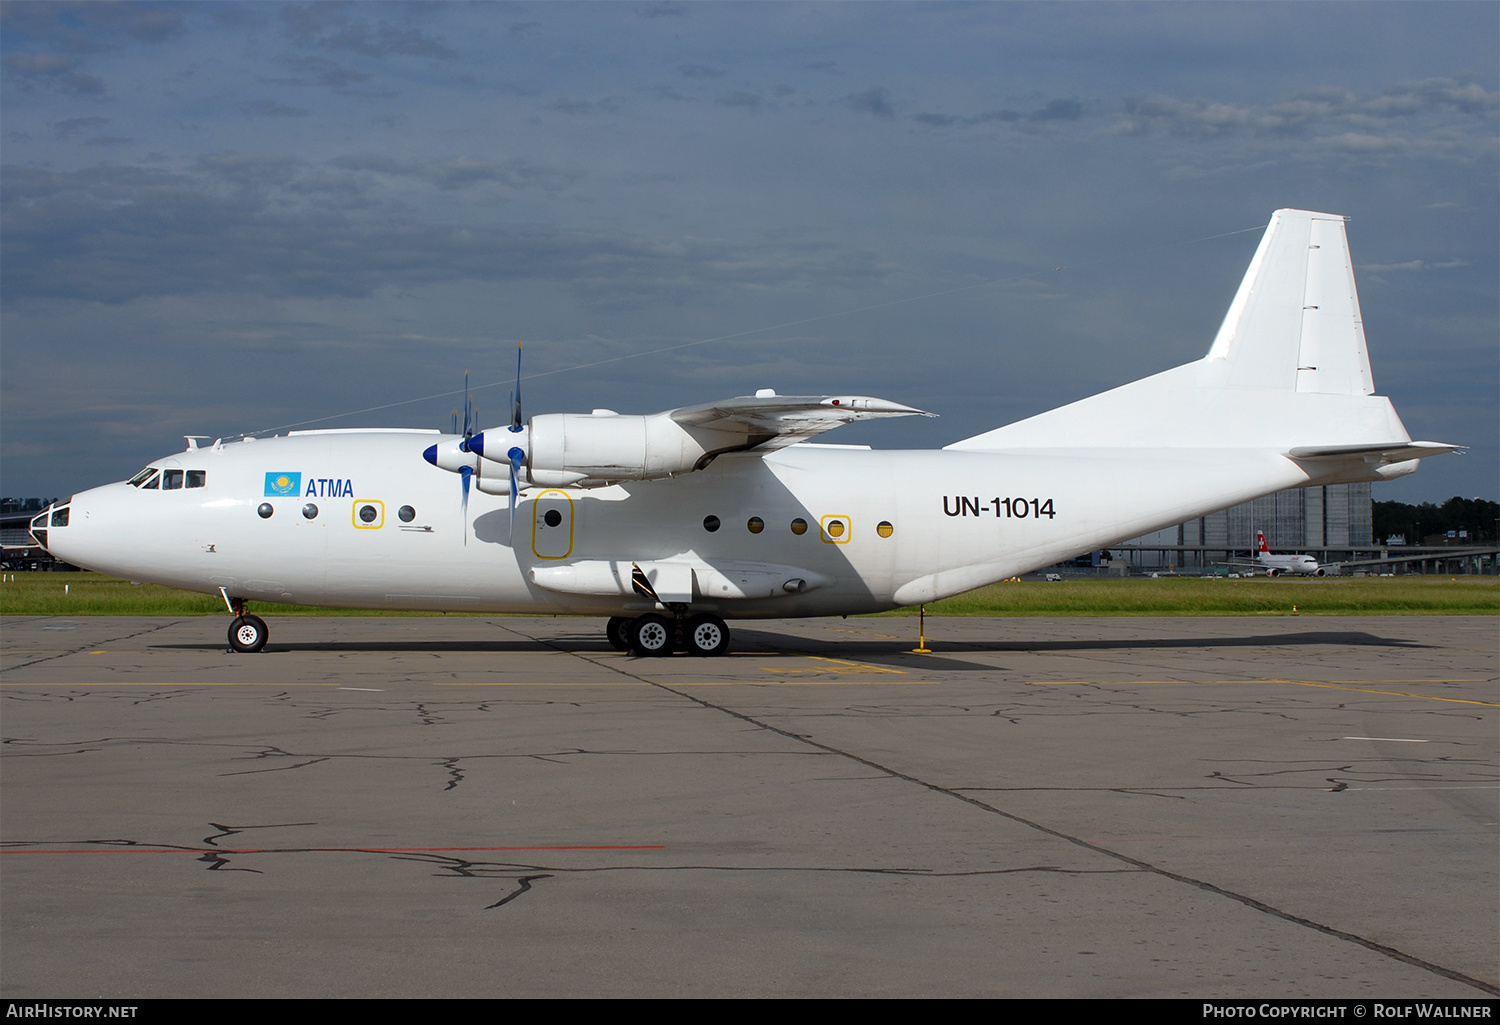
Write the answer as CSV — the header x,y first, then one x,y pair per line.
x,y
516,454
466,473
459,457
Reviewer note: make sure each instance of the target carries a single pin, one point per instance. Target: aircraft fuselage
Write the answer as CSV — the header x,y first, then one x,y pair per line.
x,y
878,529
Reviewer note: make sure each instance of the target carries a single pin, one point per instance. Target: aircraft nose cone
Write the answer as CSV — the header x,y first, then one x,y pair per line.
x,y
430,454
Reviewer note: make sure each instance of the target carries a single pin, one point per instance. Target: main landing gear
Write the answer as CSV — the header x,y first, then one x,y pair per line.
x,y
652,634
247,632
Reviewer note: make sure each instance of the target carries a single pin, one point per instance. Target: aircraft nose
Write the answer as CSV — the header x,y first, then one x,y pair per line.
x,y
430,454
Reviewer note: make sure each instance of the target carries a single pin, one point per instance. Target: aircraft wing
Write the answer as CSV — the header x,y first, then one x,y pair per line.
x,y
776,421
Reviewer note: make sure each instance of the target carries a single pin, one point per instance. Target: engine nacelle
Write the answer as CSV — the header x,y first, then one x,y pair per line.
x,y
594,449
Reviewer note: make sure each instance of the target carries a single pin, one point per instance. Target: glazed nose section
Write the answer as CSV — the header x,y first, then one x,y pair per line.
x,y
58,514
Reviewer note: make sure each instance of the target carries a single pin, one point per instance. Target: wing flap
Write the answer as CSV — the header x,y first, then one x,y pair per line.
x,y
775,421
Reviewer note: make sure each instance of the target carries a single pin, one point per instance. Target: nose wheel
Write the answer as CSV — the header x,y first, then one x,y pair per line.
x,y
247,633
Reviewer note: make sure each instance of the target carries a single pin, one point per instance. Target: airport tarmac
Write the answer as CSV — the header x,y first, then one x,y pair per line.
x,y
1215,807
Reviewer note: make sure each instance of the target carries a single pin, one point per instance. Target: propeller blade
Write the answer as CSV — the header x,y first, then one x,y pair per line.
x,y
465,473
516,455
515,410
468,406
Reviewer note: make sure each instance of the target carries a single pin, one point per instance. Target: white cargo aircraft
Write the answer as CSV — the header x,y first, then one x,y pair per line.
x,y
1275,565
671,523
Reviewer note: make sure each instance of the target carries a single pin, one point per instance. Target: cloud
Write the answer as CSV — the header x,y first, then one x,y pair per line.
x,y
52,70
66,129
89,27
1411,265
331,27
461,172
270,108
875,101
116,234
1059,110
698,71
608,105
1409,115
946,120
748,101
319,71
663,11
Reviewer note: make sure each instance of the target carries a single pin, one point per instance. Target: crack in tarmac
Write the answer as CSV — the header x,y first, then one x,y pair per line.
x,y
88,647
1137,863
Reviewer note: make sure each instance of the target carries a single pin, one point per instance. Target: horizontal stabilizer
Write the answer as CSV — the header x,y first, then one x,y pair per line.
x,y
1388,452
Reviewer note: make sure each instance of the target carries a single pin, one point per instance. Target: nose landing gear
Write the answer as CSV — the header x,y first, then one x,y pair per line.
x,y
246,633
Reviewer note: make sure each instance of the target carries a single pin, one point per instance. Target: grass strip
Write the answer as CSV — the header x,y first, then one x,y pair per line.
x,y
91,594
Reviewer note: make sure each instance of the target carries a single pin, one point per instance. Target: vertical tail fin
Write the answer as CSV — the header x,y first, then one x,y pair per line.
x,y
1288,370
1295,323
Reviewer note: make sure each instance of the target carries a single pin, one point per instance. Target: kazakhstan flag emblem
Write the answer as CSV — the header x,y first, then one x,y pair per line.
x,y
283,484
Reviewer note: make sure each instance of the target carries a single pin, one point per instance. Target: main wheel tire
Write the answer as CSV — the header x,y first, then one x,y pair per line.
x,y
651,635
247,633
618,632
707,635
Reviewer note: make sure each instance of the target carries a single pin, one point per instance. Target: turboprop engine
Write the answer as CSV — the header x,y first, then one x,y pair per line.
x,y
594,449
589,450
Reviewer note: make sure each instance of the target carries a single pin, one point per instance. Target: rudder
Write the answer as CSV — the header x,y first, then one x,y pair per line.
x,y
1295,323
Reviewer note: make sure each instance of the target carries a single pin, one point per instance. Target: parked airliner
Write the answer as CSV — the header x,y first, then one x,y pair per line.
x,y
674,522
1275,565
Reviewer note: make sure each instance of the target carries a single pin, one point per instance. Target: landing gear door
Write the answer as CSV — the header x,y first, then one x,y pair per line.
x,y
552,525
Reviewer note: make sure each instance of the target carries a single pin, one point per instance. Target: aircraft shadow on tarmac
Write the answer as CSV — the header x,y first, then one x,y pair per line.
x,y
889,652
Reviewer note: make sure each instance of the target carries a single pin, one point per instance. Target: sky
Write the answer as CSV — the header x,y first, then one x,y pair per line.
x,y
227,218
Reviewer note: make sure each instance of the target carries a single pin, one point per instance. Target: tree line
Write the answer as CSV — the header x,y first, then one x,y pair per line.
x,y
1432,522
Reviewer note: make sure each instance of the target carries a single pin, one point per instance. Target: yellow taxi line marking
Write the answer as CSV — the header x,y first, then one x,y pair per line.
x,y
694,683
807,683
1390,693
839,665
1299,683
541,683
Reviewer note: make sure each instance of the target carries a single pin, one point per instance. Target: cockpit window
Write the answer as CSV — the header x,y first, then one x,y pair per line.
x,y
171,480
197,478
140,478
152,484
